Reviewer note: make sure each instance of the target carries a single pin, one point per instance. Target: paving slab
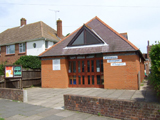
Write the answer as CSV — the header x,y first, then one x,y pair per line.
x,y
16,117
78,116
49,112
116,94
106,93
53,117
139,96
33,117
127,95
151,96
94,117
65,113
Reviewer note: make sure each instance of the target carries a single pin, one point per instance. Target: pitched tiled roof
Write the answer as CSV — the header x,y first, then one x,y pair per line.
x,y
28,32
115,42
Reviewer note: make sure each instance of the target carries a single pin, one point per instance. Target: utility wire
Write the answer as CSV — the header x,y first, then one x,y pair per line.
x,y
80,5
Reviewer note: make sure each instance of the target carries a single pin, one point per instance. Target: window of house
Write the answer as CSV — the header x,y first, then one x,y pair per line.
x,y
0,50
34,45
22,47
10,49
46,44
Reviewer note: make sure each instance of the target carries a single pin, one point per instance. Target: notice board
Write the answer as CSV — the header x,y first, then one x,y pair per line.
x,y
13,71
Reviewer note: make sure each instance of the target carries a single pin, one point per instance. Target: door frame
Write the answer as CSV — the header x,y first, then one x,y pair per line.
x,y
86,73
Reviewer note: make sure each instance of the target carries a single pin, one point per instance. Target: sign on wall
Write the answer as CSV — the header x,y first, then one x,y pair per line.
x,y
110,57
56,64
118,64
13,71
117,60
17,71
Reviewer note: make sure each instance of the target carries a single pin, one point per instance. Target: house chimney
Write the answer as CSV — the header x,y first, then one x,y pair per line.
x,y
148,42
59,28
23,21
124,35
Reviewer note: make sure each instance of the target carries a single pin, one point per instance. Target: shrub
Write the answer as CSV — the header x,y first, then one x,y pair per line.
x,y
155,69
2,68
32,62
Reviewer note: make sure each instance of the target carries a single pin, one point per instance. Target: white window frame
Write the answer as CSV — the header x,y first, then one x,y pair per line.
x,y
8,49
22,47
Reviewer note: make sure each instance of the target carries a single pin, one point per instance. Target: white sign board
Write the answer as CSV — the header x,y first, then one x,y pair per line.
x,y
56,64
118,64
110,57
117,60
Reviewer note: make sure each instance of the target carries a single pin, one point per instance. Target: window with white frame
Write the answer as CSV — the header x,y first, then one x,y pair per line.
x,y
22,47
10,49
46,44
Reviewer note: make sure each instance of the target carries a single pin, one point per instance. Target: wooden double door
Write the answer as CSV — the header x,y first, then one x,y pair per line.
x,y
86,72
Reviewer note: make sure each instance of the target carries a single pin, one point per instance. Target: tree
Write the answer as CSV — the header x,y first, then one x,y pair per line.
x,y
67,34
155,69
32,62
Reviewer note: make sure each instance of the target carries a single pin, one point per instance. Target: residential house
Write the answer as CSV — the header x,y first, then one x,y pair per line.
x,y
28,39
147,63
94,55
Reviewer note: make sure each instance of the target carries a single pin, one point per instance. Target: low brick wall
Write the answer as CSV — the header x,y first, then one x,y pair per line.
x,y
129,110
13,94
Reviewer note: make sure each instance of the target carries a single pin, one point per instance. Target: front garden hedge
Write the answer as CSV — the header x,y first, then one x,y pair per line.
x,y
32,62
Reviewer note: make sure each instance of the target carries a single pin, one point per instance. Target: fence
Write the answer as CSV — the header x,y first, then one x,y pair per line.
x,y
29,78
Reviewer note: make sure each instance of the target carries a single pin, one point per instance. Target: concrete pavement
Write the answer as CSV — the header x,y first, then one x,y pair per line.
x,y
13,110
53,98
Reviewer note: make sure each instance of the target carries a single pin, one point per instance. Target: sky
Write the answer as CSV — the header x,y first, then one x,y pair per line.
x,y
139,18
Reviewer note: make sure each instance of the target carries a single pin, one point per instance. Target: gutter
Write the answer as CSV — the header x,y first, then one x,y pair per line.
x,y
31,40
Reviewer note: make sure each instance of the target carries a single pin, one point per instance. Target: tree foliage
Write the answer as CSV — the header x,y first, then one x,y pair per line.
x,y
32,62
2,68
67,34
155,61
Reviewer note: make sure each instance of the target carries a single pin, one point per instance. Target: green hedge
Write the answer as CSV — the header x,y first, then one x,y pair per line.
x,y
32,62
155,69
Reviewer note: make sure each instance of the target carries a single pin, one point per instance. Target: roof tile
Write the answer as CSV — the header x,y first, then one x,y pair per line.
x,y
115,41
28,32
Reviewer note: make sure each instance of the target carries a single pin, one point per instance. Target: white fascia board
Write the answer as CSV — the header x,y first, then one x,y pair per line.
x,y
84,46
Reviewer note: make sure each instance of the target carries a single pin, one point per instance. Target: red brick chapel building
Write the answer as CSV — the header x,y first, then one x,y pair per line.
x,y
94,55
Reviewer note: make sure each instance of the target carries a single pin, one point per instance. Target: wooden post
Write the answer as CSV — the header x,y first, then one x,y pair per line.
x,y
20,83
4,83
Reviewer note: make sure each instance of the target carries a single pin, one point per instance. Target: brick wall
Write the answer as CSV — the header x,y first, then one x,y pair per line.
x,y
13,94
128,110
123,77
142,70
54,78
10,58
147,66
